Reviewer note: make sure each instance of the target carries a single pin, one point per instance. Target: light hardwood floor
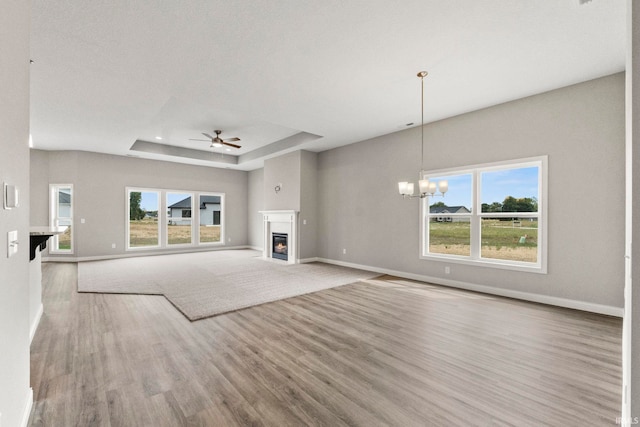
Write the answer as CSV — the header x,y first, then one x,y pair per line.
x,y
382,352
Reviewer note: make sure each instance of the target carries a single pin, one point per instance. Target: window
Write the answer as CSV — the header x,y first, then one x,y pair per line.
x,y
210,224
450,223
61,215
493,215
178,223
168,218
143,228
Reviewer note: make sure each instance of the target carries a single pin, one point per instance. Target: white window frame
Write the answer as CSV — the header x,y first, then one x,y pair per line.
x,y
163,219
54,218
476,216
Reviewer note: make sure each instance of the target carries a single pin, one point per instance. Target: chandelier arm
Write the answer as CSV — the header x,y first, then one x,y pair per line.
x,y
421,195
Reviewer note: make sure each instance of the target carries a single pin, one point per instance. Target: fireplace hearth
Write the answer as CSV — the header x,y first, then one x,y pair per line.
x,y
279,245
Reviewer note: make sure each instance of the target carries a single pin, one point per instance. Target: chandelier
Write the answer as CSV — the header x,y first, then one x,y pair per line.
x,y
426,187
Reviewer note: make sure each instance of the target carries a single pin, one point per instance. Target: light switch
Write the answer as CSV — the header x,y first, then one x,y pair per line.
x,y
12,243
10,196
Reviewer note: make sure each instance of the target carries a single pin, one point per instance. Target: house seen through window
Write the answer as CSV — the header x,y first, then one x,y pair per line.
x,y
179,230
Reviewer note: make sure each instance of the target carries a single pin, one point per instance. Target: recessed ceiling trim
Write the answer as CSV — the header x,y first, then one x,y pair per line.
x,y
170,150
278,146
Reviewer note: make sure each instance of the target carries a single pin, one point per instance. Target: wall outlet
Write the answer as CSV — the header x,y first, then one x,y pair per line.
x,y
304,222
81,220
113,246
447,270
229,240
344,251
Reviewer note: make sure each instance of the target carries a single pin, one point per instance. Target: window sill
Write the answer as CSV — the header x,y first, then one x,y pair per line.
x,y
174,246
486,262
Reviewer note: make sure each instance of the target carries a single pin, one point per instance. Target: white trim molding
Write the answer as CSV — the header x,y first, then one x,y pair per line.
x,y
35,323
27,408
140,254
525,296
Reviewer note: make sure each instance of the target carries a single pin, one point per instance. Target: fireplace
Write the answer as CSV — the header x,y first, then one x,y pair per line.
x,y
279,246
280,233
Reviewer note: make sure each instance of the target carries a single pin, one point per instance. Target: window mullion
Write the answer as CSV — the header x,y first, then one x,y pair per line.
x,y
195,218
475,216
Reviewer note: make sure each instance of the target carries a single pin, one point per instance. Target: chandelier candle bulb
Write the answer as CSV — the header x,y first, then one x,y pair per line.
x,y
424,185
410,189
443,186
402,187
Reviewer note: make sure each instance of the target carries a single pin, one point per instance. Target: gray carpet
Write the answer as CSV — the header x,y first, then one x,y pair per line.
x,y
206,284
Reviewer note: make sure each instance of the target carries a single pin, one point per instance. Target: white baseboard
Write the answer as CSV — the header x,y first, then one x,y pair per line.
x,y
36,322
134,254
525,296
27,408
307,260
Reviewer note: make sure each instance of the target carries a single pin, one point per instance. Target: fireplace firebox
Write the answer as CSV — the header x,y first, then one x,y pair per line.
x,y
279,246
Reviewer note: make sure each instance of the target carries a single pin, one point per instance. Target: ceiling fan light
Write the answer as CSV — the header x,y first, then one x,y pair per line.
x,y
216,145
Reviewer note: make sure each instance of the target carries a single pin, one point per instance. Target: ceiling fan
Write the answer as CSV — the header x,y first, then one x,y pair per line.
x,y
217,142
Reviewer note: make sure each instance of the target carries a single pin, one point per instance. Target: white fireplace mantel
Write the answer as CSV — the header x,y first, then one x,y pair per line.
x,y
281,221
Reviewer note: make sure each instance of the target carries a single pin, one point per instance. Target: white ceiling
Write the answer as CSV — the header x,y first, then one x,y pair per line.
x,y
109,73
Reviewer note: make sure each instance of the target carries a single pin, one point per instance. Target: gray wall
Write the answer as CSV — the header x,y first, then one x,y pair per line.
x,y
580,128
15,393
254,206
308,204
99,187
39,200
283,170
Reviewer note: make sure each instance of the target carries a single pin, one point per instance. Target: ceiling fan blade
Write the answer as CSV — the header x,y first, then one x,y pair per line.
x,y
231,145
208,136
205,140
231,139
